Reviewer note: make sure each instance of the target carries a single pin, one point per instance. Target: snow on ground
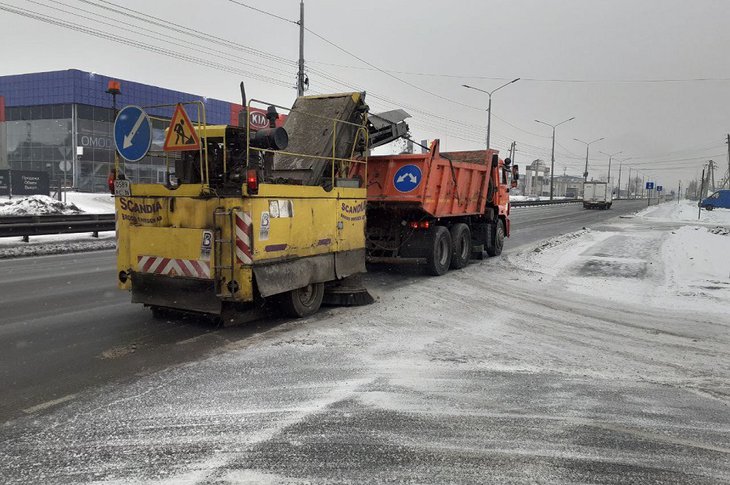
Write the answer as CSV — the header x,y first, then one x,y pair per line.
x,y
92,203
76,203
512,370
521,198
14,247
669,262
686,211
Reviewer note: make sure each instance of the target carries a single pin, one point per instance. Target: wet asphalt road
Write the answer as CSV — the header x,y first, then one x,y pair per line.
x,y
66,328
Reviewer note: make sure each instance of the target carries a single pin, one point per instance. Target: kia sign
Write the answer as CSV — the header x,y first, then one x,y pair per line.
x,y
26,182
258,120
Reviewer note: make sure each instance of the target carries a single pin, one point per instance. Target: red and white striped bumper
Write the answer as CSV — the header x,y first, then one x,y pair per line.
x,y
191,268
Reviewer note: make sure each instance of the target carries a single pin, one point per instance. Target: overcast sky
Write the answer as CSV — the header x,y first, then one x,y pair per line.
x,y
577,58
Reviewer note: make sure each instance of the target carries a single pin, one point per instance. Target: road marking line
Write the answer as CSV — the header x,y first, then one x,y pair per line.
x,y
48,404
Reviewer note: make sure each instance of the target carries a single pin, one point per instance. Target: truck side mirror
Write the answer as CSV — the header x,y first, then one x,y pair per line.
x,y
515,172
507,162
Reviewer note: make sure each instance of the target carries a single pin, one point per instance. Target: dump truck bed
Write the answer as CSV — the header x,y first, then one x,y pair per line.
x,y
440,184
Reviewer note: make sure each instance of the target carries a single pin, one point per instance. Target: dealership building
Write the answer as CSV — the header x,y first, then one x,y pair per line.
x,y
61,122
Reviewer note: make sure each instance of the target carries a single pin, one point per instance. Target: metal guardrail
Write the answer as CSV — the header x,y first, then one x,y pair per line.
x,y
531,203
26,226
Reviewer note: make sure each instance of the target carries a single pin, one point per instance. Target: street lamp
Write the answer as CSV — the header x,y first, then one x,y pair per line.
x,y
610,156
620,166
587,144
552,153
489,108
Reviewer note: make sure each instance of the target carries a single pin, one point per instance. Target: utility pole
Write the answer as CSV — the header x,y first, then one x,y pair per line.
x,y
618,185
610,157
300,72
702,188
643,187
679,191
587,144
711,175
728,161
628,185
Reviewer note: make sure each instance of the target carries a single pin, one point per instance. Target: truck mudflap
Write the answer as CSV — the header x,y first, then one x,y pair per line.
x,y
181,293
277,277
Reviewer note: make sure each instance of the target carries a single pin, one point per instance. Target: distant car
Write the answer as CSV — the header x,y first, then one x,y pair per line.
x,y
718,200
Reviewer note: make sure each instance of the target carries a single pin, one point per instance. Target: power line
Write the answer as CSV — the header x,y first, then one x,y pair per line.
x,y
407,83
140,45
534,79
265,12
151,19
386,72
167,39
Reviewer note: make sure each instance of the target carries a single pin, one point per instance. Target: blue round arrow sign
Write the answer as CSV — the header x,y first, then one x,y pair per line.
x,y
407,178
133,133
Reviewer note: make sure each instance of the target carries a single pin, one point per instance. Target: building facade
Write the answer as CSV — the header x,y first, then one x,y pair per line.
x,y
537,179
61,122
568,186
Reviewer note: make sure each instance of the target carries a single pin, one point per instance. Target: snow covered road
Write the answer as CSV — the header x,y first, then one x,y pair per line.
x,y
585,361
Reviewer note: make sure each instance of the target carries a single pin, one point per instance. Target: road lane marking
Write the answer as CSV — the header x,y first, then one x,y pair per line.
x,y
48,404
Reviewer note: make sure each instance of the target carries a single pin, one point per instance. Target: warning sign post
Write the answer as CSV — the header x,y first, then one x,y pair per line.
x,y
181,135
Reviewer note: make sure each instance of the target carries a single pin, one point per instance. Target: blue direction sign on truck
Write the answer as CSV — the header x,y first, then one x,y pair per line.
x,y
133,133
649,185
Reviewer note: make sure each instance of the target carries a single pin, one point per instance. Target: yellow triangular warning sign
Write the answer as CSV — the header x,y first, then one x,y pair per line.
x,y
181,135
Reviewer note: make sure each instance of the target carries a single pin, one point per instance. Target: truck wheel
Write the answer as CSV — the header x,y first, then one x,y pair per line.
x,y
709,207
497,243
438,257
461,242
303,302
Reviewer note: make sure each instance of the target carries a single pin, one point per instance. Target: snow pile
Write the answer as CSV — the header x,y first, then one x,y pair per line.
x,y
557,241
77,203
36,205
698,263
660,267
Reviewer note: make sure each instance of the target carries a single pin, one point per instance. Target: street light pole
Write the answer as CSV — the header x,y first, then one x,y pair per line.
x,y
489,108
610,157
620,166
587,144
552,152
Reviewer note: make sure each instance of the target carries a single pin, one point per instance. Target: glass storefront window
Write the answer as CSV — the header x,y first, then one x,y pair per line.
x,y
39,137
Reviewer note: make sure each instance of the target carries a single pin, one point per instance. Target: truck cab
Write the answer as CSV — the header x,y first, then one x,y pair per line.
x,y
718,200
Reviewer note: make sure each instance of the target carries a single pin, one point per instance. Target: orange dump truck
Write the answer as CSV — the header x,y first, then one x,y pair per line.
x,y
437,209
